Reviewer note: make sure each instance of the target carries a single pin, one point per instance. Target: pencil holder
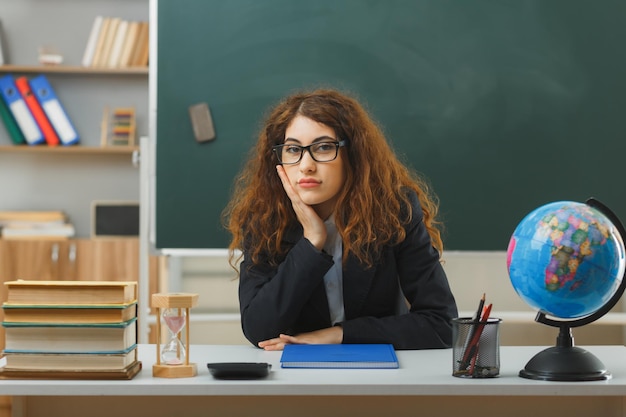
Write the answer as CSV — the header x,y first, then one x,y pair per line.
x,y
476,348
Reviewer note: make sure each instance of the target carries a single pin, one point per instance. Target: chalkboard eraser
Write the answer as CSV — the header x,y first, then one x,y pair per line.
x,y
202,122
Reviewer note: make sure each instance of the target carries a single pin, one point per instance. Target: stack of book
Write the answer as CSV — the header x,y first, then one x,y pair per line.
x,y
70,330
35,225
116,43
32,112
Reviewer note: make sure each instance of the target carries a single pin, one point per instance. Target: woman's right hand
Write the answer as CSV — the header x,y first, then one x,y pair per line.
x,y
330,335
313,225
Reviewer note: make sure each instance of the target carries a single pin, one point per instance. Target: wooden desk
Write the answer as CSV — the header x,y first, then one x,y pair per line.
x,y
422,386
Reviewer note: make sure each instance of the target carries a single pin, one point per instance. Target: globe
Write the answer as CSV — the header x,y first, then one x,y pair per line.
x,y
566,259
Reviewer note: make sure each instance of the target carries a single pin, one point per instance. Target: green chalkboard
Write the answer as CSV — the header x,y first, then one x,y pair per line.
x,y
504,105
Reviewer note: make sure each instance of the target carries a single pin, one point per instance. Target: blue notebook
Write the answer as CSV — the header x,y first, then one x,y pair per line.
x,y
382,356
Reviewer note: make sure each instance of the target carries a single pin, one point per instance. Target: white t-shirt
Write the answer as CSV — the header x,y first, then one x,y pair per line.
x,y
333,280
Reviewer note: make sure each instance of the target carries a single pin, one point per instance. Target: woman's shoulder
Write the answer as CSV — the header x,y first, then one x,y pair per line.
x,y
412,205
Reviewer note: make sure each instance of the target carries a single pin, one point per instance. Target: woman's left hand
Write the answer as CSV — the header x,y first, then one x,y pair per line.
x,y
331,335
312,225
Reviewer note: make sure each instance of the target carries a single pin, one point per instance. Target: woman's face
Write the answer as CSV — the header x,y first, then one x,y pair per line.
x,y
317,183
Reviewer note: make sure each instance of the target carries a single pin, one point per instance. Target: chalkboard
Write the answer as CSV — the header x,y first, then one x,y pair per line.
x,y
504,105
115,219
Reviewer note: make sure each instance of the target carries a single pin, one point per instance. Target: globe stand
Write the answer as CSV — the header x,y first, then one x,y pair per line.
x,y
566,362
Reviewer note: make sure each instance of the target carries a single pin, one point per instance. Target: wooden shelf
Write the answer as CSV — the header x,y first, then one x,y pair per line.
x,y
65,69
69,149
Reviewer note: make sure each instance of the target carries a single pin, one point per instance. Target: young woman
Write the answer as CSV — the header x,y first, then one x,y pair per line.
x,y
339,239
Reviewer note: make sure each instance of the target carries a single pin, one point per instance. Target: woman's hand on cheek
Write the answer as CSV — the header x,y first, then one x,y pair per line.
x,y
312,224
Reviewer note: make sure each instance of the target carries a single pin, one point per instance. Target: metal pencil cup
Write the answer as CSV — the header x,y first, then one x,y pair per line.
x,y
476,348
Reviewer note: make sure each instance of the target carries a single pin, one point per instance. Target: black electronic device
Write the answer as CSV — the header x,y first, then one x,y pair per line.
x,y
239,370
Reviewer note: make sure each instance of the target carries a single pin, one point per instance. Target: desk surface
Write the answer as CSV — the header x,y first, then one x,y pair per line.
x,y
426,372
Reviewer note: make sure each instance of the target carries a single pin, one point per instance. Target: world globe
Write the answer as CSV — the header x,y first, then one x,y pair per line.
x,y
566,259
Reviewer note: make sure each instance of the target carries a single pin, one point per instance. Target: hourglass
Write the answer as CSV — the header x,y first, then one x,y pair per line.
x,y
173,359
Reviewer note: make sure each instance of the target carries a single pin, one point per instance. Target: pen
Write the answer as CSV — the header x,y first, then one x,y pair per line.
x,y
466,356
473,346
479,311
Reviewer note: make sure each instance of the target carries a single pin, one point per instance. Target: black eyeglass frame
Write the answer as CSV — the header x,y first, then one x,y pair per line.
x,y
338,144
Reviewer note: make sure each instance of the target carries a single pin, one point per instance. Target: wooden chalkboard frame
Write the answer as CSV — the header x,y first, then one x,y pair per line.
x,y
503,105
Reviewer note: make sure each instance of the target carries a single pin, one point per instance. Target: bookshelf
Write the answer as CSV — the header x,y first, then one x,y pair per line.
x,y
70,178
71,69
72,150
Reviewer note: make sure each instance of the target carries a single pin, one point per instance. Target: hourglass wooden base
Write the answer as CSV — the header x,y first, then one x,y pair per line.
x,y
180,303
174,371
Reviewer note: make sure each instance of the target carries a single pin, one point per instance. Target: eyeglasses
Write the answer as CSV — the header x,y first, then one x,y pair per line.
x,y
289,154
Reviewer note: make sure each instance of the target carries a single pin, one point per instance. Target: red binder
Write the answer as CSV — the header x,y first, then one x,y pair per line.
x,y
35,108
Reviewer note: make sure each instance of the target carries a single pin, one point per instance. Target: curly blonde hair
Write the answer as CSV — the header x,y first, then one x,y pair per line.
x,y
370,208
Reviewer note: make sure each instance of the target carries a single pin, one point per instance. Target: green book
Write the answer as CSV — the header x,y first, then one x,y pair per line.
x,y
11,125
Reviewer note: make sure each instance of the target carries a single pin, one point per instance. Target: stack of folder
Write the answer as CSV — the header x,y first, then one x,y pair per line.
x,y
70,330
32,112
